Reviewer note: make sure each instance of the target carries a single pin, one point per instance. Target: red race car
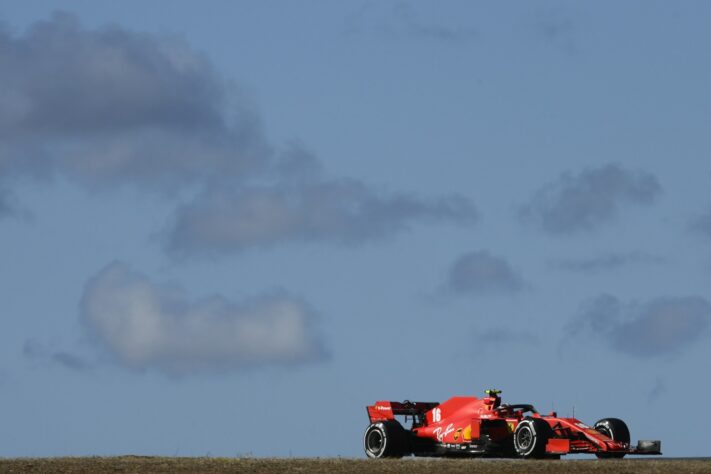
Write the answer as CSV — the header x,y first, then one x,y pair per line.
x,y
471,426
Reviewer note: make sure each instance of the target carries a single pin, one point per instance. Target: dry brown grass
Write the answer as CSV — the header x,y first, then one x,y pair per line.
x,y
139,464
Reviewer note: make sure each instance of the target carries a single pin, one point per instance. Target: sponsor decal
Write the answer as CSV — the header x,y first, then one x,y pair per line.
x,y
441,434
380,407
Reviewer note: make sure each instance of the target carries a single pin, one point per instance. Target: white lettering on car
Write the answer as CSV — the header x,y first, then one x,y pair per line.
x,y
440,435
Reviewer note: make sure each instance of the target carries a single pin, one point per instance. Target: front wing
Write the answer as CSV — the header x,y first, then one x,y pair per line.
x,y
573,436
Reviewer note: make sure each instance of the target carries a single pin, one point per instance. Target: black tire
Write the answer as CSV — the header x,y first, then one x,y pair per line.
x,y
531,437
386,439
617,430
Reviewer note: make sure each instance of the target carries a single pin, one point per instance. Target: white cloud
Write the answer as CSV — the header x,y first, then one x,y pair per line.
x,y
37,351
480,272
606,262
124,108
589,199
342,211
150,326
110,107
657,327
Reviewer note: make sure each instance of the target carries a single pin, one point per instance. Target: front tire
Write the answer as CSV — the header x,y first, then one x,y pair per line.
x,y
385,439
617,430
531,437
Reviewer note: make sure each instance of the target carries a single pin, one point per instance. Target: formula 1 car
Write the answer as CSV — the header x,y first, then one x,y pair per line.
x,y
471,426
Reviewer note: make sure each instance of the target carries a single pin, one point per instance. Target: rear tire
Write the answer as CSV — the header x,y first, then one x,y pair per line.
x,y
386,439
531,437
617,430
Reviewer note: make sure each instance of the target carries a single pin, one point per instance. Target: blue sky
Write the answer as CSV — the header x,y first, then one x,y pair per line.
x,y
225,228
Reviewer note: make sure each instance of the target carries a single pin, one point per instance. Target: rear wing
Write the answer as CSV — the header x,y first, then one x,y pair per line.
x,y
384,410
